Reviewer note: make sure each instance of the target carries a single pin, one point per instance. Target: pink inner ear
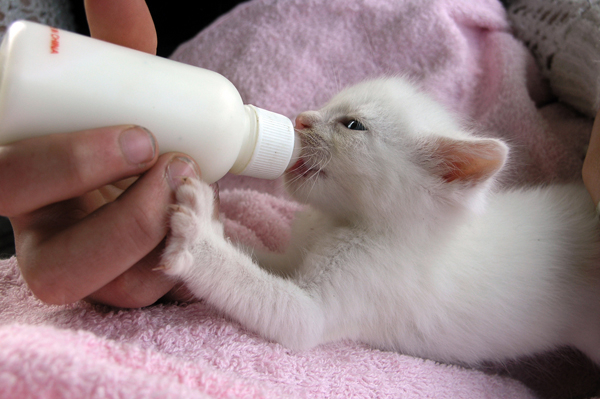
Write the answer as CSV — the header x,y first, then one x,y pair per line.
x,y
469,161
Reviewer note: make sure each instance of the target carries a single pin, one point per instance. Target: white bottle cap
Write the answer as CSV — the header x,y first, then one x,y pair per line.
x,y
275,145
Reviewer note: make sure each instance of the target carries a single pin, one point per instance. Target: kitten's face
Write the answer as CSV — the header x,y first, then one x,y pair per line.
x,y
356,151
369,150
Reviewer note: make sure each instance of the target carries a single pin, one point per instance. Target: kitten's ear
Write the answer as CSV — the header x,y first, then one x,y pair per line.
x,y
469,161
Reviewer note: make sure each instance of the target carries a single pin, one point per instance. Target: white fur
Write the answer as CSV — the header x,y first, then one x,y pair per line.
x,y
405,246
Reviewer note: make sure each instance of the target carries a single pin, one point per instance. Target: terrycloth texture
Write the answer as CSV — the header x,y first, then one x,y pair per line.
x,y
289,56
170,351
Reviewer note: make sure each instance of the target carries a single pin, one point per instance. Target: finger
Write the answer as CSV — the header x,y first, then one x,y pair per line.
x,y
127,23
72,264
591,165
138,286
48,169
179,293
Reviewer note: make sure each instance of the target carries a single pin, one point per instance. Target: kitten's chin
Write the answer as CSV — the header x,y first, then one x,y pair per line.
x,y
301,170
300,181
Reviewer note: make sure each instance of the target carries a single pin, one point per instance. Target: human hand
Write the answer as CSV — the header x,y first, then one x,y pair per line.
x,y
591,165
76,234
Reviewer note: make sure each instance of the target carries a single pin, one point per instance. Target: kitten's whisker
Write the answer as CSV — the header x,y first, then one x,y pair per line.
x,y
320,165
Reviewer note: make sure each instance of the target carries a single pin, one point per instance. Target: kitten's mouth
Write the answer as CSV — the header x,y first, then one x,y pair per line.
x,y
301,169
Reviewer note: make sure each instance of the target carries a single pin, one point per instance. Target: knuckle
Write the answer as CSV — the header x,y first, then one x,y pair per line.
x,y
141,230
77,161
85,157
45,287
45,280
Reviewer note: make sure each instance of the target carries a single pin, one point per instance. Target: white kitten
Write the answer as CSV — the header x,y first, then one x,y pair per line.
x,y
405,245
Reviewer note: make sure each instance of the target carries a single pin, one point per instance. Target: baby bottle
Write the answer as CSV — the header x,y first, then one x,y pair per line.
x,y
54,81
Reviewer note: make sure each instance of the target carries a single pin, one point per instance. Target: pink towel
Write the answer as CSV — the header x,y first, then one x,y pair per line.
x,y
189,351
288,56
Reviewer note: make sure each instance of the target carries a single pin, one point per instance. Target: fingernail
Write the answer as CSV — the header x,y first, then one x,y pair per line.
x,y
180,168
137,145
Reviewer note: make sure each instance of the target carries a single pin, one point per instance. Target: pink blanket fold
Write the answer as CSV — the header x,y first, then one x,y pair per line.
x,y
289,56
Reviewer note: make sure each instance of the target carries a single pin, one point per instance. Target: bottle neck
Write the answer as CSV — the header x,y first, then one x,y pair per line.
x,y
269,145
249,138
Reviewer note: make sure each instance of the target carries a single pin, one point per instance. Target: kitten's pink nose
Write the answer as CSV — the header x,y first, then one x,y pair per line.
x,y
306,120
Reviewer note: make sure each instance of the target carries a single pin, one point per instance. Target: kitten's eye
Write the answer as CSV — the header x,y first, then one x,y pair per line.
x,y
355,125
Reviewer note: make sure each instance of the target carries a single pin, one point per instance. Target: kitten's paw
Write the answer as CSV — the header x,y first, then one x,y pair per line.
x,y
198,200
193,227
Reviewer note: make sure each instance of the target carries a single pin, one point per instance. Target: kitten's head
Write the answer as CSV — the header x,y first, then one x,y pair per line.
x,y
383,149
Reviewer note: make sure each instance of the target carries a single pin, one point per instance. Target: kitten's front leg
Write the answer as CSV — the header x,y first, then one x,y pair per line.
x,y
214,269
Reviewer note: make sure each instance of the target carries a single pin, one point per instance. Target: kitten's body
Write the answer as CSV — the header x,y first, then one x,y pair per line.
x,y
405,246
